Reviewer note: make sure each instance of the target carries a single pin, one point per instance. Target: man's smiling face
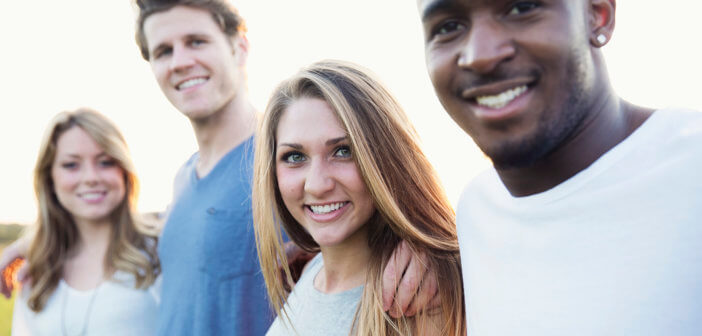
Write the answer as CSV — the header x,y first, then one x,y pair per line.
x,y
197,66
515,75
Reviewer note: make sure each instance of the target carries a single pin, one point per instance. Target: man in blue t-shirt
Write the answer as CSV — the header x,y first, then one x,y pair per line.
x,y
212,284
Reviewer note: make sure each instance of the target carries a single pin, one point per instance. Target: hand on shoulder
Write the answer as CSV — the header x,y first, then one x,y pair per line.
x,y
408,286
13,267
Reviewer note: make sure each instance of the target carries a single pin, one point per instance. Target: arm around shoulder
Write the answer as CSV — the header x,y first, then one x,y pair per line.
x,y
17,250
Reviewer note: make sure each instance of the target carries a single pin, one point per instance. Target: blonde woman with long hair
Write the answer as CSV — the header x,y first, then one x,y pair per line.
x,y
339,169
91,260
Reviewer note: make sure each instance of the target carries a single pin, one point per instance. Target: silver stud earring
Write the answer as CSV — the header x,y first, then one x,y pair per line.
x,y
601,38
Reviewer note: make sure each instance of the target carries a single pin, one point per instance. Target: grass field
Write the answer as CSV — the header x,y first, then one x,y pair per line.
x,y
5,316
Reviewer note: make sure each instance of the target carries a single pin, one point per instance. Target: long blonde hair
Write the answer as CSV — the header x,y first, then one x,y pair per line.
x,y
411,204
132,248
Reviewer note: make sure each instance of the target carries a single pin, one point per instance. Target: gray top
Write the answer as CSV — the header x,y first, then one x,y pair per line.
x,y
315,313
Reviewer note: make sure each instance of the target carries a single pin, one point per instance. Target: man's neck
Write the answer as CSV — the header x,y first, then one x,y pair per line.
x,y
610,121
222,131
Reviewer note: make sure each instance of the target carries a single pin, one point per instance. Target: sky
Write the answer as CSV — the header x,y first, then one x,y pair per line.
x,y
61,55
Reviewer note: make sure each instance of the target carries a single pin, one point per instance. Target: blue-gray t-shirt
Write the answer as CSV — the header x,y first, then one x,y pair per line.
x,y
212,281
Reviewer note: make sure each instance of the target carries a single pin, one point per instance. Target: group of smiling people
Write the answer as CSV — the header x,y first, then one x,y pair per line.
x,y
562,236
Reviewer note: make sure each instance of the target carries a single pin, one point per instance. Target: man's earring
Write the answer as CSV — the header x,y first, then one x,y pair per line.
x,y
602,39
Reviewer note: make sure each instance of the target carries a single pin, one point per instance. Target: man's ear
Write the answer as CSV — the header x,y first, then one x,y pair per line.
x,y
601,20
240,47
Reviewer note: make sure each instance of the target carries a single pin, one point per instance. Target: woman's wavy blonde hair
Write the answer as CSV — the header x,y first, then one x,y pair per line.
x,y
132,248
411,204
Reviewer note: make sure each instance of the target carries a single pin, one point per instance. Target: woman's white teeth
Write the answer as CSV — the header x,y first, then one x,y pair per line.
x,y
190,83
501,99
91,195
324,209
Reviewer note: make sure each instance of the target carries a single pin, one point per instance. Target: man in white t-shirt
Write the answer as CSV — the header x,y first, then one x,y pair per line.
x,y
590,222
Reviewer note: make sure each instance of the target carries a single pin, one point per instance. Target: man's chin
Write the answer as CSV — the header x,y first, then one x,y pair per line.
x,y
194,113
516,155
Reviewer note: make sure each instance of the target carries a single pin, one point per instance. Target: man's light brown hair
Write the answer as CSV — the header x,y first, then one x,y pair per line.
x,y
224,15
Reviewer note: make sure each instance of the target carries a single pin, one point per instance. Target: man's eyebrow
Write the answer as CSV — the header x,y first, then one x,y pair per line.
x,y
438,6
187,37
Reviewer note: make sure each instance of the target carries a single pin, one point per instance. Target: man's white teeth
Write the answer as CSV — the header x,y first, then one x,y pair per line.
x,y
324,209
190,83
91,195
501,99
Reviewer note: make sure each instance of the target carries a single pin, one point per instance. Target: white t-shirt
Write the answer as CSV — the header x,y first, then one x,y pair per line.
x,y
614,250
117,308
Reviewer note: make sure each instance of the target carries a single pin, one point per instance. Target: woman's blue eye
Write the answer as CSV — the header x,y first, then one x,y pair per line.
x,y
293,157
107,163
343,151
69,165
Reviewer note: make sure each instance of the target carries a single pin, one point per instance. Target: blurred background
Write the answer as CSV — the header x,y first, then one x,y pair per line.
x,y
60,55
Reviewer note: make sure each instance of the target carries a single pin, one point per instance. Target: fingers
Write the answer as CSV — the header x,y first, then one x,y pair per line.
x,y
399,260
22,273
298,266
291,250
8,255
10,259
434,304
10,276
408,286
6,287
427,297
